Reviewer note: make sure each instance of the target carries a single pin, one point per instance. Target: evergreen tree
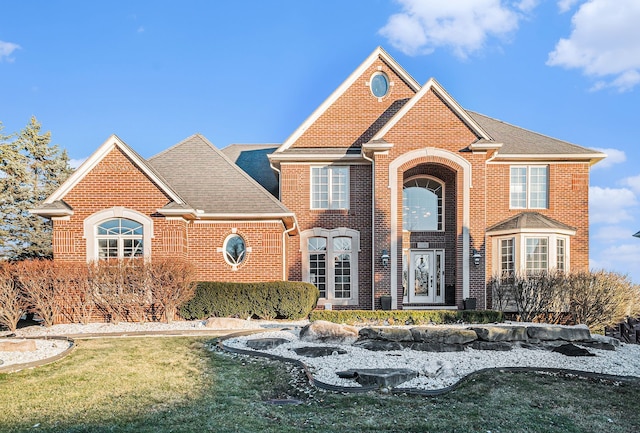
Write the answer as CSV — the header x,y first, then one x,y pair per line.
x,y
30,171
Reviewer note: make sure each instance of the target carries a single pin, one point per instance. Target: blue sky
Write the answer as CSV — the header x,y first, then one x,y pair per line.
x,y
155,72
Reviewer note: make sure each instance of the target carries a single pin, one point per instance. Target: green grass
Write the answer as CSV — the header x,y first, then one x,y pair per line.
x,y
178,385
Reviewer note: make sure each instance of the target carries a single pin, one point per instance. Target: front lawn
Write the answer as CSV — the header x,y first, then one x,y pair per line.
x,y
178,385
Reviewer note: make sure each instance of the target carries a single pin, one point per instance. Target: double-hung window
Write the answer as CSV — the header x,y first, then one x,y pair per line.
x,y
532,254
529,186
330,187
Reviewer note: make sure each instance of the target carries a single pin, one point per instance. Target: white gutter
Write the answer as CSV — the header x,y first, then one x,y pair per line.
x,y
373,231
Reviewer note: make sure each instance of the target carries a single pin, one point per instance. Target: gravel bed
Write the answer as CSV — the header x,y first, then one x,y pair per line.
x,y
44,349
441,370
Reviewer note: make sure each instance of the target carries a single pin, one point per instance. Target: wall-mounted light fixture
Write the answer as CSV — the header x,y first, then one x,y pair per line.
x,y
476,257
384,258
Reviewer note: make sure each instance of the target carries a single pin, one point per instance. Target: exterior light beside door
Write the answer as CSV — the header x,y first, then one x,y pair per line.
x,y
476,257
384,258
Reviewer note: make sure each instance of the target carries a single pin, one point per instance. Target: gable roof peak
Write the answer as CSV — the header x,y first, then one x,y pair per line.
x,y
378,53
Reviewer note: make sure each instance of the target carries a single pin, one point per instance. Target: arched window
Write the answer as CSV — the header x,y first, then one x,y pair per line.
x,y
119,233
119,238
422,199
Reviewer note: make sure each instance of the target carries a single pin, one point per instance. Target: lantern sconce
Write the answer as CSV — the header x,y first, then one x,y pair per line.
x,y
476,257
384,258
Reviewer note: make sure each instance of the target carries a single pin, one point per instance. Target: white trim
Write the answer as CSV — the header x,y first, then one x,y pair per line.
x,y
432,84
92,221
355,251
330,200
378,53
520,249
106,147
465,166
591,158
443,187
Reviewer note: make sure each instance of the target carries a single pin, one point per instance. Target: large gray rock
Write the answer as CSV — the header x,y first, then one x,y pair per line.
x,y
433,334
566,333
384,333
318,352
570,349
501,346
380,345
265,343
501,333
322,331
382,377
437,347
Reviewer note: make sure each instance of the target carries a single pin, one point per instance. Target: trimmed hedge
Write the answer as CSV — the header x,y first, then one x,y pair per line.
x,y
407,317
269,300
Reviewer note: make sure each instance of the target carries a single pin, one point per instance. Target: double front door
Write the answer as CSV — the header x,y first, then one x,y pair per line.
x,y
426,276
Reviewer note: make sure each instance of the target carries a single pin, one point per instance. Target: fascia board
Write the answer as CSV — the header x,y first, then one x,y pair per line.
x,y
315,157
591,157
432,84
112,142
378,52
531,232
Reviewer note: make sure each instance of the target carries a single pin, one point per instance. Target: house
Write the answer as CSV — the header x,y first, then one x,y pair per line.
x,y
388,190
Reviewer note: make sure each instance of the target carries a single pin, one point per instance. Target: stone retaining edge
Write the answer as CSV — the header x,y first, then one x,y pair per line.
x,y
13,368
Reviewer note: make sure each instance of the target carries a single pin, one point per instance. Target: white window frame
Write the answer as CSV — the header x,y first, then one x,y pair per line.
x,y
520,250
332,202
330,254
441,208
527,187
91,223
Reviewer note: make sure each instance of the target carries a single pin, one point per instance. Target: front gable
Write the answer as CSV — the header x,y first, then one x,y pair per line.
x,y
353,114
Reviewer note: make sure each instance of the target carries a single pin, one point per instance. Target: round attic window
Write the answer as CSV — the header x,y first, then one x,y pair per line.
x,y
234,249
379,84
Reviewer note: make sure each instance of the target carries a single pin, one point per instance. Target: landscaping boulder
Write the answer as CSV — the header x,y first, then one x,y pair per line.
x,y
322,331
17,345
379,345
437,347
570,349
501,346
228,323
501,333
389,334
566,333
265,343
449,335
382,377
317,352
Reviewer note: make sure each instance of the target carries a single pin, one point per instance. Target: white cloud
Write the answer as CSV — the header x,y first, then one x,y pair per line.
x,y
75,163
463,26
621,258
6,49
566,5
615,234
604,43
614,156
611,205
632,182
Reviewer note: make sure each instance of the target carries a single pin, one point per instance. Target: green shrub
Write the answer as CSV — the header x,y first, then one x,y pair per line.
x,y
407,317
269,300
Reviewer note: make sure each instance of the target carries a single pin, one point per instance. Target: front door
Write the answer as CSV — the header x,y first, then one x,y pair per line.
x,y
426,276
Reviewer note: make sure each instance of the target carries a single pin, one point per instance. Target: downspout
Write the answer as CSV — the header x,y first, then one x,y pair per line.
x,y
486,238
284,249
373,230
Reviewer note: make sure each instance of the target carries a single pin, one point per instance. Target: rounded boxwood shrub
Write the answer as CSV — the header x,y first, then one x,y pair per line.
x,y
267,300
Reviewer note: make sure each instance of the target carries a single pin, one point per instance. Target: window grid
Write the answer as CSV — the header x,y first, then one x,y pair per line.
x,y
318,264
119,238
507,262
560,255
537,254
529,187
329,187
342,267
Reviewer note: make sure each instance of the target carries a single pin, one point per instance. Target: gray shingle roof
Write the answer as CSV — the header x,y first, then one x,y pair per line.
x,y
252,158
529,220
207,180
520,141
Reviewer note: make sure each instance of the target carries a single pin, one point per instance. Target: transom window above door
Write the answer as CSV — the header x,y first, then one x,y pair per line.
x,y
119,238
422,199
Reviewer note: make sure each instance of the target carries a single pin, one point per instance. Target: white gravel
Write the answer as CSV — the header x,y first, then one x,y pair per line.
x,y
436,370
441,370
